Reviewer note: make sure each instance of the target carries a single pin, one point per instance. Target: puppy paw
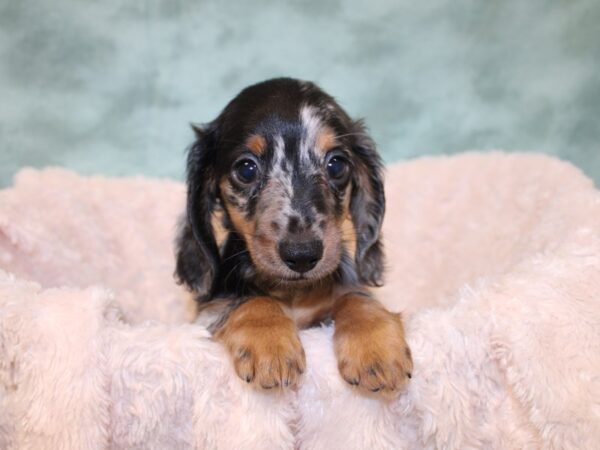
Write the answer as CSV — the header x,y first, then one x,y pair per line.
x,y
268,357
372,353
265,348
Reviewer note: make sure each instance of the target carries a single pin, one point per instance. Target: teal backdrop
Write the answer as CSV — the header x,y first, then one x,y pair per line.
x,y
111,86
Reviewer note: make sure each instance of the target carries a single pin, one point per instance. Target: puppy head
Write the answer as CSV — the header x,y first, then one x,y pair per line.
x,y
289,167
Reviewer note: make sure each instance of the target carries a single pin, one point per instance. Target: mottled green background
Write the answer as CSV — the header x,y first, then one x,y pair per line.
x,y
110,86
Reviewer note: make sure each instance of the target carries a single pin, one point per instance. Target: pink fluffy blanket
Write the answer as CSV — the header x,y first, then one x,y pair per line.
x,y
494,259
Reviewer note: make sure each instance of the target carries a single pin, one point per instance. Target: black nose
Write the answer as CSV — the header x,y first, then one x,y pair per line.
x,y
301,256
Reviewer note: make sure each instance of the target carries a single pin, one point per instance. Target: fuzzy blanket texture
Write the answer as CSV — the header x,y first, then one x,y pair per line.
x,y
493,258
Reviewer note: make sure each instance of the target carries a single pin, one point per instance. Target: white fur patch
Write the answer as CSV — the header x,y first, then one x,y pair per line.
x,y
282,178
311,125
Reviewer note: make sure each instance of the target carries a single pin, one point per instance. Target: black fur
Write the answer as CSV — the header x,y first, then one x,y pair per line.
x,y
198,260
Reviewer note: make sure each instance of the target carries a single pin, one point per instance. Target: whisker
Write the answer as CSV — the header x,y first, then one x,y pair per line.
x,y
231,271
234,255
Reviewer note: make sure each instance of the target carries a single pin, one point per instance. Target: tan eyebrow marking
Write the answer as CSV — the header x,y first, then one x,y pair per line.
x,y
326,140
257,144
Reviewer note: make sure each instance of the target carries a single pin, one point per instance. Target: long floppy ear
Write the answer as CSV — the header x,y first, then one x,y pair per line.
x,y
367,206
197,251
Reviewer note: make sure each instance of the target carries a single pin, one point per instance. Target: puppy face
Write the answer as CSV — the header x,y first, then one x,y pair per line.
x,y
289,167
286,191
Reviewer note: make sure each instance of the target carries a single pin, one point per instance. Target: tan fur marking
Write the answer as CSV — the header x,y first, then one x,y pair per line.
x,y
325,140
256,144
349,233
370,346
260,240
310,307
219,231
240,223
263,343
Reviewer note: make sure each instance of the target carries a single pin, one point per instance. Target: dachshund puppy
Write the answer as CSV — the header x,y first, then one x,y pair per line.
x,y
298,187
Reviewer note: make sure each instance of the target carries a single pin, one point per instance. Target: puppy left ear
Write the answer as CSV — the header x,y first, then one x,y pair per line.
x,y
197,252
367,206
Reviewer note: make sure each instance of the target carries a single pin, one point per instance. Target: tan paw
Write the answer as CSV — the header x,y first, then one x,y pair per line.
x,y
372,353
264,346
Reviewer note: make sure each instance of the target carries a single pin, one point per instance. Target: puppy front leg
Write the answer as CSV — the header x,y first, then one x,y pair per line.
x,y
263,343
369,345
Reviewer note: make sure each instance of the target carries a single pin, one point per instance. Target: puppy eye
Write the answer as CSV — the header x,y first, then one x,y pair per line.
x,y
246,171
337,168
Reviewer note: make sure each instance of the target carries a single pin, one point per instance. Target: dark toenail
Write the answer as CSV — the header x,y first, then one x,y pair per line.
x,y
353,382
270,386
409,375
248,378
377,389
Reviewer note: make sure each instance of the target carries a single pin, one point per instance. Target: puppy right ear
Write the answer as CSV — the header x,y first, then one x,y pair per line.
x,y
197,252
